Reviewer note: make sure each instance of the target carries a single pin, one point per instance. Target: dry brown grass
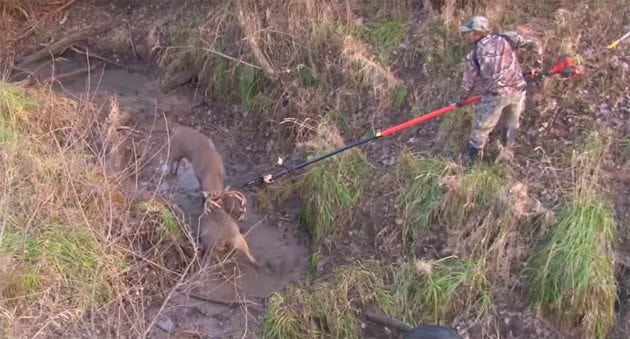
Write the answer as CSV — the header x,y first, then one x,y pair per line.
x,y
72,242
316,53
21,18
489,216
328,308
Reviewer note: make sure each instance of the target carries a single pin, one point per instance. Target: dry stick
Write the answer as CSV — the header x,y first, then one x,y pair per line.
x,y
133,46
223,302
253,45
96,56
387,321
59,46
71,74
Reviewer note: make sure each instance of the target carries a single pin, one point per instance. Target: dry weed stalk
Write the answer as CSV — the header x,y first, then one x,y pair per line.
x,y
250,26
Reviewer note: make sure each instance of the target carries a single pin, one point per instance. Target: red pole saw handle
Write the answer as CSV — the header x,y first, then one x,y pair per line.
x,y
420,119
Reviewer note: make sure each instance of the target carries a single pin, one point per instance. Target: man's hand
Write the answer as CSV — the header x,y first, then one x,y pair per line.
x,y
460,102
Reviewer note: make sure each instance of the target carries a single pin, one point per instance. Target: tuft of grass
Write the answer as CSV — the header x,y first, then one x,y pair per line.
x,y
314,263
307,78
421,190
571,276
334,186
385,35
270,195
330,188
248,85
488,216
281,321
87,267
475,191
167,219
400,95
440,289
15,105
624,143
328,308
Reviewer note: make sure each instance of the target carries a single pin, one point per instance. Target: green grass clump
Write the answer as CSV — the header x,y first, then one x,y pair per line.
x,y
438,290
88,269
571,276
332,187
474,191
307,78
14,103
166,219
282,321
400,95
328,308
248,85
489,217
624,144
385,35
421,190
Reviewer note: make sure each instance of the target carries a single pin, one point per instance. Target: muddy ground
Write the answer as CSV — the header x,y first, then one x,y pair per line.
x,y
274,238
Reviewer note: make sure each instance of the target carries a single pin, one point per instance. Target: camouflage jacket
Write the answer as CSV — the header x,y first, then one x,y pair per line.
x,y
496,64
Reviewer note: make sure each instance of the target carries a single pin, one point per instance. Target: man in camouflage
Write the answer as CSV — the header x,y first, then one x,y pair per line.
x,y
493,61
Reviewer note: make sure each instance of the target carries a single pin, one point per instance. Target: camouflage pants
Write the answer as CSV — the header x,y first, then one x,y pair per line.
x,y
490,111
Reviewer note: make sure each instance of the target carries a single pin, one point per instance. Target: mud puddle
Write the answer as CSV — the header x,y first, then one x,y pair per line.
x,y
236,288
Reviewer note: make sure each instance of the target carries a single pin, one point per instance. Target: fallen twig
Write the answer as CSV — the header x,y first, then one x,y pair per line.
x,y
245,24
71,74
223,302
96,56
191,333
28,78
59,46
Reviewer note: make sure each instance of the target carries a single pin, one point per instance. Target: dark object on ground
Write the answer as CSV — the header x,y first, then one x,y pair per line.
x,y
420,332
432,332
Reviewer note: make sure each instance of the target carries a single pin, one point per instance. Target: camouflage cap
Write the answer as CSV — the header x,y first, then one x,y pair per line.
x,y
476,23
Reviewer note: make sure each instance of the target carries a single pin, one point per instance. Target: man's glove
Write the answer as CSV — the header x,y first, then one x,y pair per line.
x,y
460,102
537,65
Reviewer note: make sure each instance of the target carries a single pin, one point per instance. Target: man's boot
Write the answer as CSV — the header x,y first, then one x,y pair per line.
x,y
510,138
473,155
505,152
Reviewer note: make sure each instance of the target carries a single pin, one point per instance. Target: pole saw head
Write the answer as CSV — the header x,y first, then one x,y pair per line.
x,y
567,66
